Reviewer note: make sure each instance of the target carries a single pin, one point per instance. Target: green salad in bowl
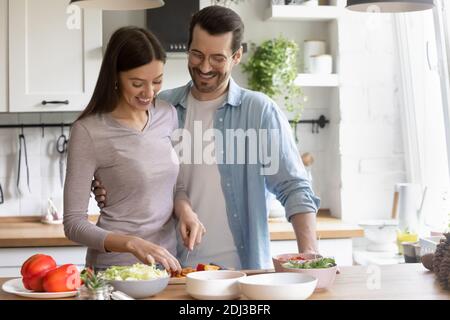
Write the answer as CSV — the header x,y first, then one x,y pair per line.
x,y
320,263
137,271
138,280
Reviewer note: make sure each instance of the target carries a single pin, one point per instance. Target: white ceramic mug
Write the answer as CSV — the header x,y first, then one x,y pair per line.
x,y
321,64
338,3
312,48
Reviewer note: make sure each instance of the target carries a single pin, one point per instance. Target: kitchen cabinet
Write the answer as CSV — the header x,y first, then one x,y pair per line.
x,y
3,55
11,259
55,54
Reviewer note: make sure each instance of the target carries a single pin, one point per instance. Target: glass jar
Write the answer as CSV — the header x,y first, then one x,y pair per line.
x,y
102,293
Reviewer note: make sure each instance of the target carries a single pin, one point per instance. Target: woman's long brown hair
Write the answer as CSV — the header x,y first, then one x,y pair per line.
x,y
128,48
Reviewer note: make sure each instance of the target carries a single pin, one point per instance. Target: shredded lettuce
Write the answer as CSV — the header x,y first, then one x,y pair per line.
x,y
137,271
310,264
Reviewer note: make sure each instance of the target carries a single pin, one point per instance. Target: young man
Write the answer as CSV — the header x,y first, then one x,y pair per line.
x,y
229,194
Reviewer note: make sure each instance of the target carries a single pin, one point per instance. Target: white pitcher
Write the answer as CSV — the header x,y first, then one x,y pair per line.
x,y
411,197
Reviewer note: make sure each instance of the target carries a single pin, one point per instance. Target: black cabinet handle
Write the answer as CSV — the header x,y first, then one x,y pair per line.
x,y
55,102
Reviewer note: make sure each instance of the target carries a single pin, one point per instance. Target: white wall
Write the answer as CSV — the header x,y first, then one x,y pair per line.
x,y
371,145
175,72
3,55
43,161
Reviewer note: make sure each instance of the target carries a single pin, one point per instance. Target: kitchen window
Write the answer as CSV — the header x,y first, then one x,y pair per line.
x,y
424,43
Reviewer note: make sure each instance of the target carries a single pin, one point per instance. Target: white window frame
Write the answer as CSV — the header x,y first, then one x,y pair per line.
x,y
408,98
441,17
409,101
441,14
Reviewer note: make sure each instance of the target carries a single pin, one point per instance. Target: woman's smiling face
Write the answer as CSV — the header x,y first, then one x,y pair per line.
x,y
139,87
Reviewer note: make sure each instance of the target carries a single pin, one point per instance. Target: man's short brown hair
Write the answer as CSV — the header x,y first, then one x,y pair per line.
x,y
218,20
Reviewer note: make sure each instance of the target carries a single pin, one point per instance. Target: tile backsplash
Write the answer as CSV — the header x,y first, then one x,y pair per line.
x,y
43,164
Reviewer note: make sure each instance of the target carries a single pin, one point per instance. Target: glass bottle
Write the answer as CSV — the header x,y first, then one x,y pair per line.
x,y
101,293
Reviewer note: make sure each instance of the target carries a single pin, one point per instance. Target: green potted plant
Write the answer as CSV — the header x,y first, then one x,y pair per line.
x,y
94,287
272,69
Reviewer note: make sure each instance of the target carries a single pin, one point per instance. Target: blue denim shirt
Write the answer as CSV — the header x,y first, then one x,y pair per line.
x,y
246,186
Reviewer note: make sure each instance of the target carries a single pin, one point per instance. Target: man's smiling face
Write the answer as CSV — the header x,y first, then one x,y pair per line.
x,y
210,63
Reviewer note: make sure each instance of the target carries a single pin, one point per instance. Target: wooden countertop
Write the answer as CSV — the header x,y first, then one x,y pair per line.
x,y
328,227
18,232
397,282
30,232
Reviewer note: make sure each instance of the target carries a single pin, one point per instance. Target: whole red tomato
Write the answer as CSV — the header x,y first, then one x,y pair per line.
x,y
34,269
63,278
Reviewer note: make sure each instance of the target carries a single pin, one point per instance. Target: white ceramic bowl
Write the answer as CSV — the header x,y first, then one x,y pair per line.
x,y
429,244
325,276
278,286
381,234
139,289
214,285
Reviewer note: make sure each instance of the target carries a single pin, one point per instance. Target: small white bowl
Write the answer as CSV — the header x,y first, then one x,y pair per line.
x,y
139,289
278,286
214,285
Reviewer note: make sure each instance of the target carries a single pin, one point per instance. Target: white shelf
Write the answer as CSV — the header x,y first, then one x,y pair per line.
x,y
317,80
302,13
177,55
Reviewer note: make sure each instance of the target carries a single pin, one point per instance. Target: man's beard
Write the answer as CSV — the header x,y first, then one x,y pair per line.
x,y
204,86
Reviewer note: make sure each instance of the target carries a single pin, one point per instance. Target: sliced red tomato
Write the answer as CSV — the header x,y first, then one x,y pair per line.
x,y
64,278
200,267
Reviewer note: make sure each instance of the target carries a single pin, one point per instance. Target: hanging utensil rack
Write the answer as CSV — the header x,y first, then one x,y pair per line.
x,y
40,125
36,125
321,122
317,124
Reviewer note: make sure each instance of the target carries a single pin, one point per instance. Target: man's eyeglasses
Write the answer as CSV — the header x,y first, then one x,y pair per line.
x,y
216,61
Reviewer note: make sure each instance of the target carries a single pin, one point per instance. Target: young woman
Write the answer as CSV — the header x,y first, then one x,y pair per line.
x,y
123,140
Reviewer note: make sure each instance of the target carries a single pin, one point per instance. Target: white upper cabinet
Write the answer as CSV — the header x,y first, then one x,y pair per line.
x,y
55,53
3,55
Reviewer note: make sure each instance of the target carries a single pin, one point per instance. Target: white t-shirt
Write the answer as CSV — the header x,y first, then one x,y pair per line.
x,y
201,179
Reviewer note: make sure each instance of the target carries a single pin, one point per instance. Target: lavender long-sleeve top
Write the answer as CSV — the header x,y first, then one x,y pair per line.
x,y
139,171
